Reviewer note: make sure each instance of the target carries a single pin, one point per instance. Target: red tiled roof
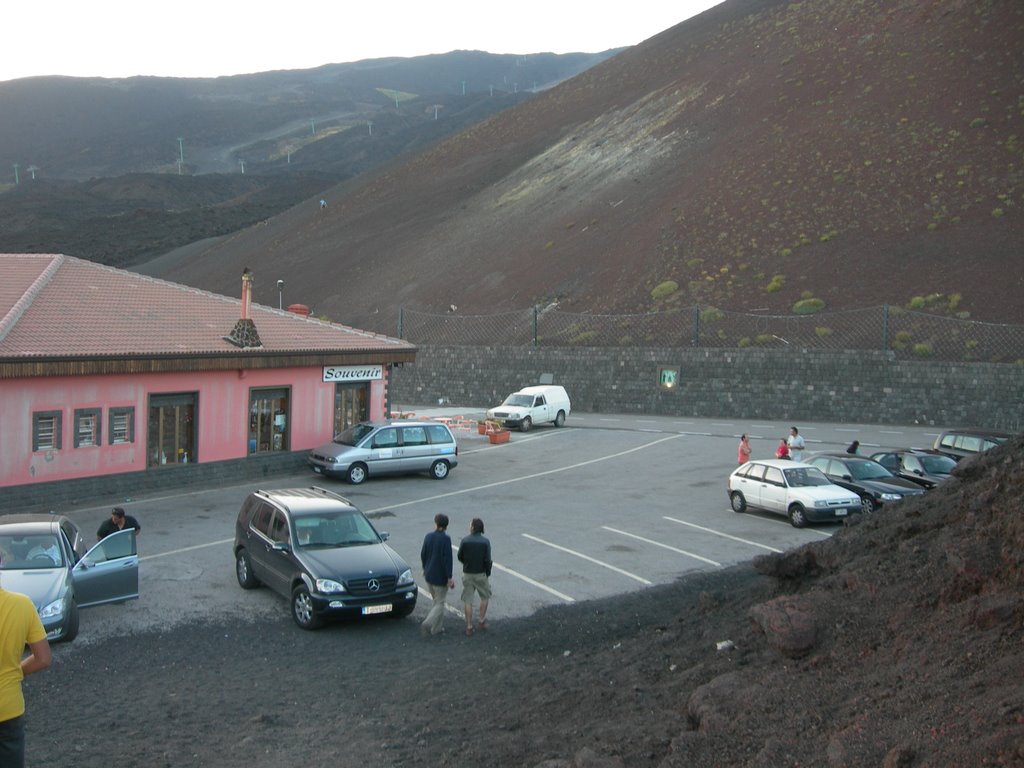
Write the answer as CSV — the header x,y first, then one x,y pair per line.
x,y
55,306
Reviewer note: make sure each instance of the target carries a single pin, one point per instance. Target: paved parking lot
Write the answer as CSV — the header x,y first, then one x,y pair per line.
x,y
605,506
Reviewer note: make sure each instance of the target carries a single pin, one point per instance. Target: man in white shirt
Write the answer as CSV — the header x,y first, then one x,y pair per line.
x,y
796,445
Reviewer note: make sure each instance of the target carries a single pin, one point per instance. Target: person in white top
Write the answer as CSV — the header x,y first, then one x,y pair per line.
x,y
796,445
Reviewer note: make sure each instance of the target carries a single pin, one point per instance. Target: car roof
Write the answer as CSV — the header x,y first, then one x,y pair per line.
x,y
307,501
979,432
38,521
917,451
376,423
780,463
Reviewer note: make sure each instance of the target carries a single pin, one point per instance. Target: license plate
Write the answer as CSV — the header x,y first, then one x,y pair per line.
x,y
841,513
368,609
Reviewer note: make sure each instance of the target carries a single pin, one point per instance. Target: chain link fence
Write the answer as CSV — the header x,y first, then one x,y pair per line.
x,y
908,334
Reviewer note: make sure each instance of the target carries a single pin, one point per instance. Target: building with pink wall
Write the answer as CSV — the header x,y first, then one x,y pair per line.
x,y
104,371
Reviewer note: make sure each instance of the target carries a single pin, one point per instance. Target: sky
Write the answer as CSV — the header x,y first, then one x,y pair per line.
x,y
210,38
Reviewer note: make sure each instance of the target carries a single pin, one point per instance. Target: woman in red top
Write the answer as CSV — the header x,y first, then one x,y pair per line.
x,y
743,454
782,452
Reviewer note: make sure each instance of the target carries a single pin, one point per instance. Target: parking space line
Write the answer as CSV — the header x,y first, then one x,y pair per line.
x,y
529,581
546,472
588,558
186,549
663,546
723,535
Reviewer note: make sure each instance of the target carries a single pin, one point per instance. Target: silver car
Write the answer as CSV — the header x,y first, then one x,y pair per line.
x,y
46,557
375,448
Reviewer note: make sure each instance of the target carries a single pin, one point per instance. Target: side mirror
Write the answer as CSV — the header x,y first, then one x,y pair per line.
x,y
847,477
281,546
384,535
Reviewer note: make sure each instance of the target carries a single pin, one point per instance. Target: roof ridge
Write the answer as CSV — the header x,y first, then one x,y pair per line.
x,y
18,308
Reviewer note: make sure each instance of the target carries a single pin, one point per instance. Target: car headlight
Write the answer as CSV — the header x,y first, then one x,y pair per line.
x,y
328,586
53,610
820,503
890,497
405,579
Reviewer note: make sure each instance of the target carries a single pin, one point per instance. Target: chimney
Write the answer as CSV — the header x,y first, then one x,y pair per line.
x,y
244,333
299,309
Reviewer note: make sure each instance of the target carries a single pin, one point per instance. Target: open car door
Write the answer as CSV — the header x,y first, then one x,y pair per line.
x,y
109,572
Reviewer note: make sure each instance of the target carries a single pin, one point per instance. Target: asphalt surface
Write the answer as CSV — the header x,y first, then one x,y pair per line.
x,y
607,505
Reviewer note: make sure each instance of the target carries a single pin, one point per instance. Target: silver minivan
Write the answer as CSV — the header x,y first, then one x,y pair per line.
x,y
394,447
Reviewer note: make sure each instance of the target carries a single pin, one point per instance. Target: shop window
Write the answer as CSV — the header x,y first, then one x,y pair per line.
x,y
87,427
268,420
46,431
171,429
122,425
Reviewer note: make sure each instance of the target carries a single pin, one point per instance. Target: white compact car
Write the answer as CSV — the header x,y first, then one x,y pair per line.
x,y
533,405
801,492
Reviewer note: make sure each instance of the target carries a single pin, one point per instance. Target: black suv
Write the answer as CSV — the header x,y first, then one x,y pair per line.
x,y
875,484
317,549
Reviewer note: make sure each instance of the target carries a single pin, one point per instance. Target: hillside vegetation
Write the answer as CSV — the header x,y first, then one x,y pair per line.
x,y
761,154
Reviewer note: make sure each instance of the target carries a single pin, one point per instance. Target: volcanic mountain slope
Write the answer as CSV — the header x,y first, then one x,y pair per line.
x,y
765,151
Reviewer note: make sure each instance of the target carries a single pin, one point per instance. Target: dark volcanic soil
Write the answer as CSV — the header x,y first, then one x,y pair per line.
x,y
897,643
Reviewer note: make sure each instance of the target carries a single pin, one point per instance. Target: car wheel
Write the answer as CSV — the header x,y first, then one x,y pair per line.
x,y
357,473
71,628
797,516
867,505
739,504
525,424
560,419
243,571
439,470
302,608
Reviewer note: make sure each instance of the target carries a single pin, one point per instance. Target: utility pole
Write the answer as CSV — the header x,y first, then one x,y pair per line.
x,y
369,125
280,294
492,90
436,107
241,162
16,182
312,127
463,87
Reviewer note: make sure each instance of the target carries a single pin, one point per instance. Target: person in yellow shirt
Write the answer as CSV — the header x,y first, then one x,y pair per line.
x,y
19,626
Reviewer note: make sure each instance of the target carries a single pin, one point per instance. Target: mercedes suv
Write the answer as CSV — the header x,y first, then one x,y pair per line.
x,y
318,550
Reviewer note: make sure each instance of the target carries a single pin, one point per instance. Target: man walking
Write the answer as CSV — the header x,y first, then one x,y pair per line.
x,y
436,558
796,445
475,556
19,626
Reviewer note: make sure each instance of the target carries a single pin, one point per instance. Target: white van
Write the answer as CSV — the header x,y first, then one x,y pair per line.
x,y
533,405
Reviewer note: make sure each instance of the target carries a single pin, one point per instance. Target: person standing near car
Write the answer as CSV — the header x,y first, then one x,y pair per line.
x,y
796,445
475,556
118,522
782,449
436,558
19,626
743,453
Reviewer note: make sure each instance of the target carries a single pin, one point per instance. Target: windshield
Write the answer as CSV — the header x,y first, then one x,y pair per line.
x,y
803,477
867,470
334,529
20,553
937,465
353,435
524,401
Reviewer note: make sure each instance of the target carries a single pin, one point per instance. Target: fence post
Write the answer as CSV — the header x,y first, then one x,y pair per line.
x,y
536,316
885,327
401,310
696,326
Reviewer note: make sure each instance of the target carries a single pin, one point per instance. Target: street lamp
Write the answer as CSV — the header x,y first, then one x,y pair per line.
x,y
280,294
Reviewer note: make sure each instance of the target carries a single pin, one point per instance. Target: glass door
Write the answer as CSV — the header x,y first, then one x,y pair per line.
x,y
351,405
171,433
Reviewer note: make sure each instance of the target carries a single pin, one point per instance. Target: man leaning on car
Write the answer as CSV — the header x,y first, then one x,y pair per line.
x,y
19,626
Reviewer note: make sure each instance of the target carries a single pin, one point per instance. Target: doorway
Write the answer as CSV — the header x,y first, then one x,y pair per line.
x,y
351,405
171,433
268,420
